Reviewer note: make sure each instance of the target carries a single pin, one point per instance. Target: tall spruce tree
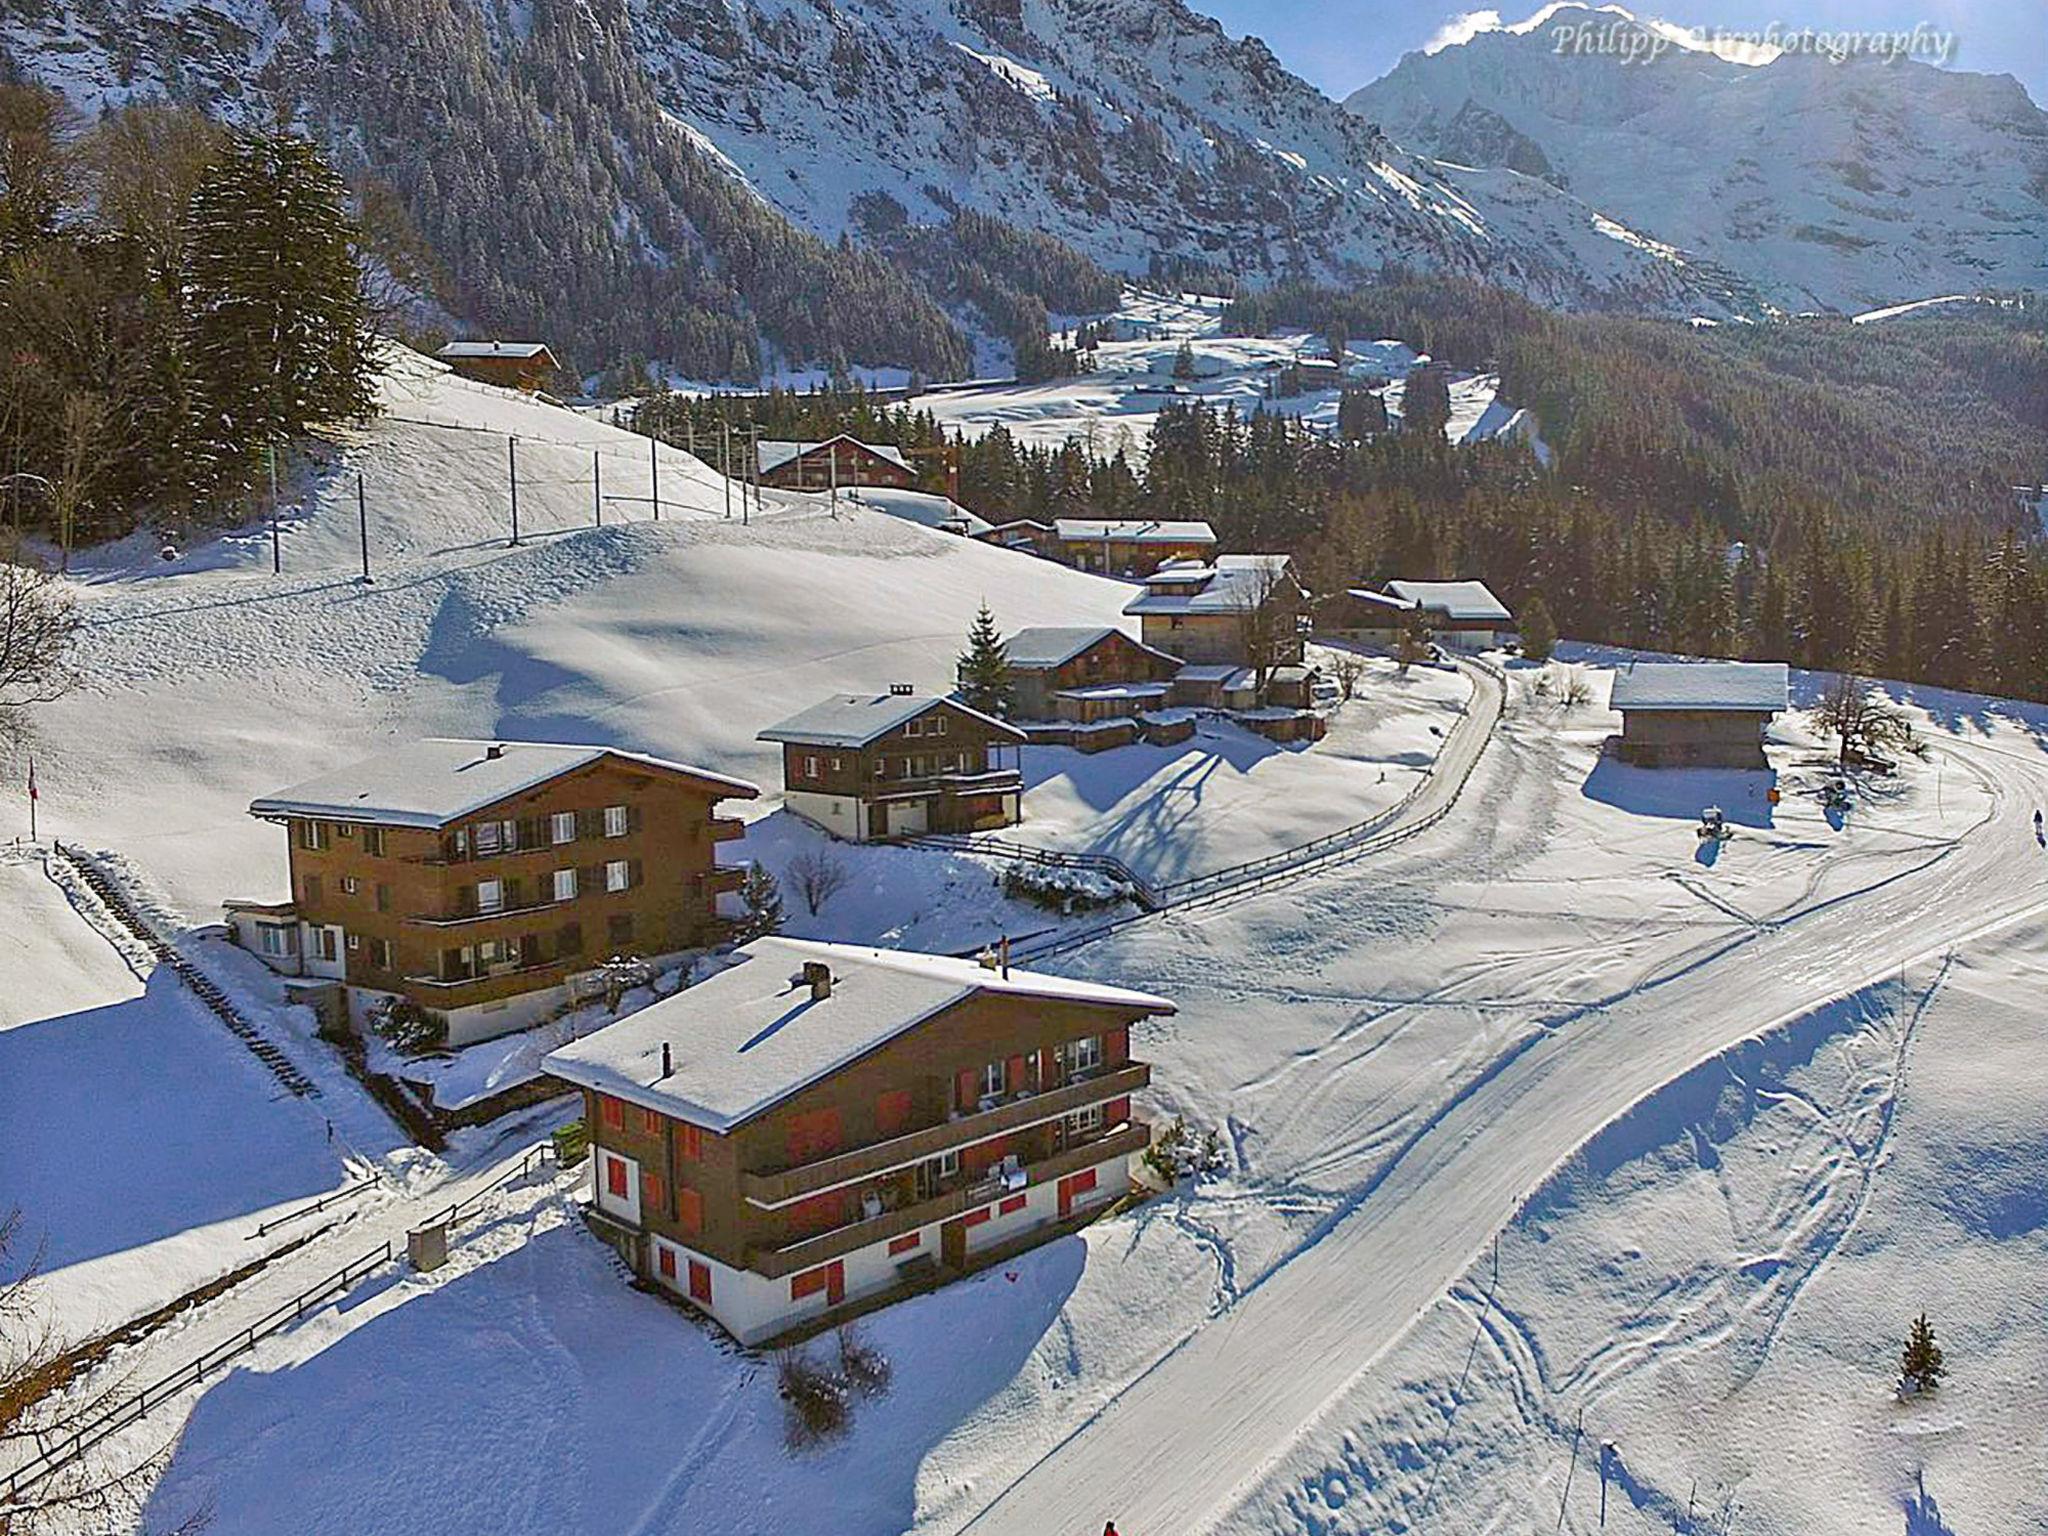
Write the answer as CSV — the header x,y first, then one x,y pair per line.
x,y
985,680
1920,1365
1539,630
279,324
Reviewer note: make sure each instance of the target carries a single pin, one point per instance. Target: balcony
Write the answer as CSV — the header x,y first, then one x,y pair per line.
x,y
777,1262
485,984
725,828
481,915
780,1186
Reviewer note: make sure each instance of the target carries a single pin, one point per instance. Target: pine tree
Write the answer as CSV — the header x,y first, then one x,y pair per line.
x,y
1184,362
762,898
1920,1366
279,325
985,680
1539,630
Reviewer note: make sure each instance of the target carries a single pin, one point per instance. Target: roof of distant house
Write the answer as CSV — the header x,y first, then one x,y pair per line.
x,y
1232,581
1382,599
1459,601
1747,686
750,1036
855,719
1133,530
512,349
924,507
774,453
438,780
1040,650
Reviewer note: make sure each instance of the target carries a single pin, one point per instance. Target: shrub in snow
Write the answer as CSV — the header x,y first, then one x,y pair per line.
x,y
1177,1153
407,1027
862,1366
1061,889
815,1400
1920,1366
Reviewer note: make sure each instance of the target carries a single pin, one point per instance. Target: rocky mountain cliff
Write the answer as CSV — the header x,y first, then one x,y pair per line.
x,y
1830,185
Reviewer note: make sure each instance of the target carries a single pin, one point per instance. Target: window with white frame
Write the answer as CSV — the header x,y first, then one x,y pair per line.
x,y
565,885
562,827
1082,1055
939,726
313,835
810,768
913,727
277,941
616,821
618,874
490,895
991,1079
1086,1121
487,837
881,767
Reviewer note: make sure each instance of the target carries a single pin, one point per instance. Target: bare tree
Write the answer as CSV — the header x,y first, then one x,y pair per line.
x,y
1866,723
1349,670
37,626
1413,644
40,1405
1266,604
818,875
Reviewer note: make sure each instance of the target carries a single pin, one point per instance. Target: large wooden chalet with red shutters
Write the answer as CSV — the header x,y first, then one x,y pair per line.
x,y
822,1124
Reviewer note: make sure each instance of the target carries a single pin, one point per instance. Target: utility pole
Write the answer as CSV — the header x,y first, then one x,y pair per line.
x,y
276,549
597,485
725,460
512,464
654,473
363,525
832,474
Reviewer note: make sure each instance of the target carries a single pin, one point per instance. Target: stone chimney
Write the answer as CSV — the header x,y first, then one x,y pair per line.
x,y
818,976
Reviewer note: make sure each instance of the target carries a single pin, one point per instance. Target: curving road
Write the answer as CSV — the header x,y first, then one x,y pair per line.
x,y
1185,1442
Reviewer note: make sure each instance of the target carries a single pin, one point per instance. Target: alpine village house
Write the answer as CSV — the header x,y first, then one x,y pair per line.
x,y
866,766
840,462
821,1124
479,879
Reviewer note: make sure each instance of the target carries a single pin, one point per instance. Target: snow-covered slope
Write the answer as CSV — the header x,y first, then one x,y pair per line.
x,y
1833,185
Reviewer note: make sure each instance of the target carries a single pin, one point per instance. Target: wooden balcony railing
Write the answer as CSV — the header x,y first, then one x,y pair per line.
x,y
780,1186
777,1262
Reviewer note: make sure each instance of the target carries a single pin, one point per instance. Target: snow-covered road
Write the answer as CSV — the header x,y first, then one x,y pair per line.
x,y
1182,1445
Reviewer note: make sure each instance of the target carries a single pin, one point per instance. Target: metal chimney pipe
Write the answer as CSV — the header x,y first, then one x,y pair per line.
x,y
667,1064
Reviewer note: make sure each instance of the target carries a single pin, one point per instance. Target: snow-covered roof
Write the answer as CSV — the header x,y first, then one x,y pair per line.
x,y
775,453
438,780
1133,530
1235,581
855,719
1464,601
1229,674
1178,573
924,507
1035,650
1116,691
752,1035
1730,685
1383,599
494,349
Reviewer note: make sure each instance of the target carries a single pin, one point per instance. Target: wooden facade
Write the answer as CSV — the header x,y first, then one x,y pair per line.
x,y
509,365
1081,688
1693,738
941,770
841,461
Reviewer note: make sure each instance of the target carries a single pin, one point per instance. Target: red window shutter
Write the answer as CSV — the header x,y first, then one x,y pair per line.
x,y
1048,1065
689,1141
700,1281
689,1209
892,1111
1117,1111
1083,1182
969,1088
1013,1074
812,1136
905,1243
615,1177
651,1195
611,1111
811,1281
665,1260
975,1218
835,1282
1116,1047
1012,1205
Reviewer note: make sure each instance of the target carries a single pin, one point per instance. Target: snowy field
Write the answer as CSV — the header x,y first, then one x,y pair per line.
x,y
1524,1022
1114,407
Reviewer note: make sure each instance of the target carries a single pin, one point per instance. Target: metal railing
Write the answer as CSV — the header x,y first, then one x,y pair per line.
x,y
1107,864
333,1197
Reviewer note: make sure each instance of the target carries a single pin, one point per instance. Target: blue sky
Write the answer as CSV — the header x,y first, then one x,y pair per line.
x,y
1341,44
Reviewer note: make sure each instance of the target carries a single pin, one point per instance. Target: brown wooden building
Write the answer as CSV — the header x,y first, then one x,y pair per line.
x,y
866,766
1224,611
1085,674
823,1124
838,461
476,879
524,365
1128,546
1697,714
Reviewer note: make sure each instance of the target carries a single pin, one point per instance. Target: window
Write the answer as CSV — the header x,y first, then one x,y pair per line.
x,y
915,768
618,874
665,1261
346,830
615,821
615,1178
348,885
355,942
992,1080
1085,1122
275,941
948,1163
1082,1055
383,897
835,764
689,1209
490,895
939,726
562,827
328,949
689,1141
313,835
494,951
373,842
565,885
700,1281
488,835
913,727
312,890
810,768
881,767
619,929
380,954
611,1111
905,1243
1011,1206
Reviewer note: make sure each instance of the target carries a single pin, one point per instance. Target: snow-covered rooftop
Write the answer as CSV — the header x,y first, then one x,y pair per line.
x,y
923,507
752,1035
438,780
775,453
1730,685
1383,599
855,719
1236,580
1134,530
1041,649
1464,601
493,349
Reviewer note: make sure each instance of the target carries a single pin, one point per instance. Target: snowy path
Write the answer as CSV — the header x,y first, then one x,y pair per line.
x,y
1184,1443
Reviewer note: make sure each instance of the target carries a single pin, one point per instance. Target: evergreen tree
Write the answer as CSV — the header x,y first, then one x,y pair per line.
x,y
1539,630
985,680
1184,362
1360,413
1920,1365
761,896
278,322
1426,403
